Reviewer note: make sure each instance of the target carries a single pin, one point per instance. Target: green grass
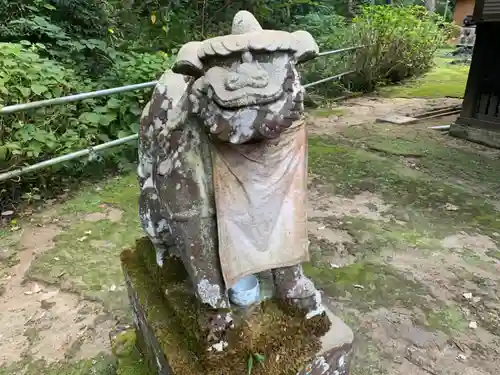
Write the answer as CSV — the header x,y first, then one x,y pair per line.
x,y
444,80
100,365
85,257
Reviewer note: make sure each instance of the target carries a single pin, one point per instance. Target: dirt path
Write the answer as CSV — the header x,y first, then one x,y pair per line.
x,y
365,110
41,321
404,248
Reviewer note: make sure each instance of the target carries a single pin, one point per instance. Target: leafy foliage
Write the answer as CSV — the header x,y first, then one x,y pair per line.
x,y
400,42
34,135
29,135
331,31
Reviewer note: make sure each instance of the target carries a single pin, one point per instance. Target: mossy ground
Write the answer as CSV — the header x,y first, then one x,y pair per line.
x,y
445,80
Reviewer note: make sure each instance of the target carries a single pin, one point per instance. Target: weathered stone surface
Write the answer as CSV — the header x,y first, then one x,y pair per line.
x,y
467,37
223,168
475,134
168,334
336,352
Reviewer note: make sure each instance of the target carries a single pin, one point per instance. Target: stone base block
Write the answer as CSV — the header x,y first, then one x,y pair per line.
x,y
482,136
168,334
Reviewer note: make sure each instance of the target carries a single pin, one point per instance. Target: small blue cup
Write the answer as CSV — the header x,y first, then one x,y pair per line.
x,y
245,292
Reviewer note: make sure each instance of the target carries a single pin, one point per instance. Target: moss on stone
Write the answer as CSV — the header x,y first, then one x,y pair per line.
x,y
123,343
284,339
172,271
133,364
493,254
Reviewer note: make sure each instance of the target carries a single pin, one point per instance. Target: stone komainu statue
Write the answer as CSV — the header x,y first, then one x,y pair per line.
x,y
223,166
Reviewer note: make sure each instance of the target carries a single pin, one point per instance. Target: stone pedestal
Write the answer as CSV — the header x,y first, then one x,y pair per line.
x,y
166,318
475,134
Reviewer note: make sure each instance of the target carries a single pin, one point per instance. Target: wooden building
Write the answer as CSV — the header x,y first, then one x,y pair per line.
x,y
463,8
479,119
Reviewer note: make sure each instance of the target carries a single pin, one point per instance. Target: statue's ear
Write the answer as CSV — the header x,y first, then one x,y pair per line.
x,y
188,62
306,46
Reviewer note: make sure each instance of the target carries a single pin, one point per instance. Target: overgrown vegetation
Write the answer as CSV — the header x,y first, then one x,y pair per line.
x,y
400,42
50,48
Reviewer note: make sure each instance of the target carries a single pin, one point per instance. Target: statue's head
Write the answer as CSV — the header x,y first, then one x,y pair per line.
x,y
247,85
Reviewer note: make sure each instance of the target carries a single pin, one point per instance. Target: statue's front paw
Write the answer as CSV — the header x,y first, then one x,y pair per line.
x,y
218,325
311,305
300,291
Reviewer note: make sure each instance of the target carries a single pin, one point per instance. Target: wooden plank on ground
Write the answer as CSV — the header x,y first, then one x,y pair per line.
x,y
397,119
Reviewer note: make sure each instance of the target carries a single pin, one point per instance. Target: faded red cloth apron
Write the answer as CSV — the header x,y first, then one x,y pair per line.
x,y
260,196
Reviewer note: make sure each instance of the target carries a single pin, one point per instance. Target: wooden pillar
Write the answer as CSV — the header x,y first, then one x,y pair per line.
x,y
475,72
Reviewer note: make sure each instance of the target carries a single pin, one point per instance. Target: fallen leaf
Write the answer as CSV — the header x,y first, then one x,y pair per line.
x,y
450,207
36,289
473,325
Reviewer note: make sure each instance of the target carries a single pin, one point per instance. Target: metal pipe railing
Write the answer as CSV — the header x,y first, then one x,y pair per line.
x,y
94,94
67,157
335,51
337,76
74,98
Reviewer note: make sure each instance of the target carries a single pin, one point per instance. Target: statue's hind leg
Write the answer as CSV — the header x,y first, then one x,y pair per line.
x,y
155,224
294,287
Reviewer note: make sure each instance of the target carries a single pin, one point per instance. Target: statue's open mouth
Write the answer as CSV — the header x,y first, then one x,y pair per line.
x,y
233,90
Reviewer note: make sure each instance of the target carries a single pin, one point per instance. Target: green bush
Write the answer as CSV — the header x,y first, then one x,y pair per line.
x,y
401,43
40,134
120,113
34,134
331,31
